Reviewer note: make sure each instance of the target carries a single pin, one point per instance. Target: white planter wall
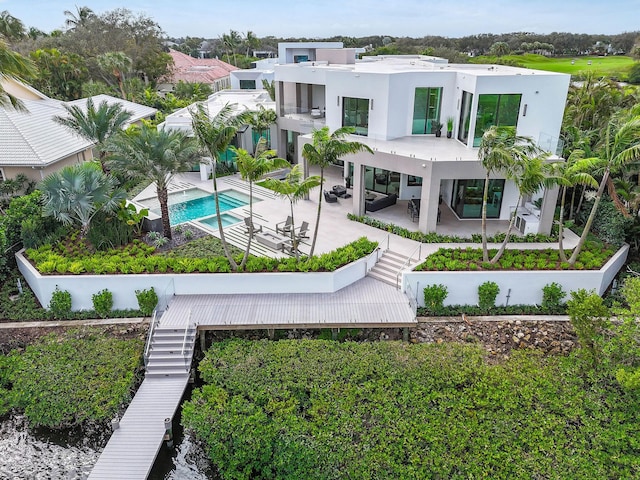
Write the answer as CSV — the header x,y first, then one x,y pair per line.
x,y
123,287
523,288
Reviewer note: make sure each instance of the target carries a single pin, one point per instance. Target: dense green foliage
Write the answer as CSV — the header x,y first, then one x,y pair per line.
x,y
86,376
593,257
75,258
60,304
433,237
487,294
147,300
475,310
552,295
434,296
318,409
102,302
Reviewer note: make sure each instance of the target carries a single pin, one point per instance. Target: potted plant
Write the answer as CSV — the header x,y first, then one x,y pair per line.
x,y
437,128
450,121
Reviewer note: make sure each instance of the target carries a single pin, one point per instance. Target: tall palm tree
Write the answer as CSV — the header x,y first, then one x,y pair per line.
x,y
96,124
231,42
326,149
293,188
77,193
252,168
620,146
154,155
16,67
251,41
573,172
118,64
215,133
260,122
500,149
79,18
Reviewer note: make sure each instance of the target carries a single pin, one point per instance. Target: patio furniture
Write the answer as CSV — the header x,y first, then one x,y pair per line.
x,y
339,191
330,197
271,240
302,231
380,203
369,197
248,223
316,113
284,226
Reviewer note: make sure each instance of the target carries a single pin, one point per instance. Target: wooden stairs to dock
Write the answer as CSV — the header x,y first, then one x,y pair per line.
x,y
387,268
171,351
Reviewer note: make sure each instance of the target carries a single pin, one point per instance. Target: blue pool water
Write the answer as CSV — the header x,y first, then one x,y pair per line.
x,y
226,218
204,206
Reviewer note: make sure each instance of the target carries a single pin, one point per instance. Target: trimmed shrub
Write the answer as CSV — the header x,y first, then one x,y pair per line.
x,y
147,301
60,304
102,302
434,296
552,296
487,293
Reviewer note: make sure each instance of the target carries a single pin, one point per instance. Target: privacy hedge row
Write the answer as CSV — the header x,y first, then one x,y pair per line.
x,y
59,383
592,257
391,410
141,258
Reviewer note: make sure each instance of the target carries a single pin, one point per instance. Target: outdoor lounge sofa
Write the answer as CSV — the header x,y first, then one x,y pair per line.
x,y
330,197
380,202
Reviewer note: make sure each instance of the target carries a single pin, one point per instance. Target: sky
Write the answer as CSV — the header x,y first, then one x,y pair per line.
x,y
355,18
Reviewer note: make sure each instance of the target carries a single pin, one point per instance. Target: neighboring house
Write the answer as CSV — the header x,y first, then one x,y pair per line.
x,y
395,103
211,71
241,101
34,144
251,78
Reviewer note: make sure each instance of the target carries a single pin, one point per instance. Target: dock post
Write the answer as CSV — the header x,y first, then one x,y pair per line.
x,y
334,333
115,424
168,435
405,334
203,340
271,332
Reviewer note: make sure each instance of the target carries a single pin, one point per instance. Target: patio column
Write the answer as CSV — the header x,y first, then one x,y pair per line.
x,y
548,210
358,189
429,200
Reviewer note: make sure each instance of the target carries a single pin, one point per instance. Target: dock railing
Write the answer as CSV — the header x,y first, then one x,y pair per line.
x,y
184,341
407,262
147,348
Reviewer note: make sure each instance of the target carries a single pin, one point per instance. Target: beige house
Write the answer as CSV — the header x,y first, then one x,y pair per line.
x,y
34,144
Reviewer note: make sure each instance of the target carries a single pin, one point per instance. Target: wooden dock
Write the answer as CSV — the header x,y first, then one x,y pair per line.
x,y
133,447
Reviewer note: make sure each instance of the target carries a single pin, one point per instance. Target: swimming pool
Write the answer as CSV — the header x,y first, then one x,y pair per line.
x,y
227,219
194,203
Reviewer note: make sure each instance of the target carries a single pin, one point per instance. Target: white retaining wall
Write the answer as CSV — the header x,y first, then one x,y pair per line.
x,y
123,287
523,288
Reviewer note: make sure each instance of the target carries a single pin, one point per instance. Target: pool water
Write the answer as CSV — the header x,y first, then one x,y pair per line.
x,y
226,218
195,203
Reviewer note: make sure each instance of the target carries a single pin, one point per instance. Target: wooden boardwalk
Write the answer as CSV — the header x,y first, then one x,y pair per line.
x,y
133,447
366,303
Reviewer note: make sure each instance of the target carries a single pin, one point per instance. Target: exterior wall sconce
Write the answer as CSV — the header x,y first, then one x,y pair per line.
x,y
524,112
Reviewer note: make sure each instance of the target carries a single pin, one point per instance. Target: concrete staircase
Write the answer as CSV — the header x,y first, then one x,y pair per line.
x,y
166,355
388,266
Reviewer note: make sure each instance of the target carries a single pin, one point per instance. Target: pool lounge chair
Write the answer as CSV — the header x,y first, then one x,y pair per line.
x,y
302,231
249,225
284,226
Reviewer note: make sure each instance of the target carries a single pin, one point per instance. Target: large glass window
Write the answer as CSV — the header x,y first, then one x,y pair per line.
x,y
465,116
467,198
500,110
381,181
247,84
355,113
426,109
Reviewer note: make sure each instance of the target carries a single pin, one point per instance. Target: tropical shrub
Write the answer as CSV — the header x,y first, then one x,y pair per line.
x,y
434,296
60,304
487,294
102,302
552,296
589,317
147,301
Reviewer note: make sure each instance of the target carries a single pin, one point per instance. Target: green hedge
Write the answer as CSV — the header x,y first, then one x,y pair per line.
x,y
74,258
437,238
592,257
391,410
61,383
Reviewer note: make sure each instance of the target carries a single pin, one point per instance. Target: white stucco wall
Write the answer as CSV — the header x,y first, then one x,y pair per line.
x,y
523,288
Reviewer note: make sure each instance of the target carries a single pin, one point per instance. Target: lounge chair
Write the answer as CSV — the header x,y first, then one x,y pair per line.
x,y
285,226
302,231
330,197
249,224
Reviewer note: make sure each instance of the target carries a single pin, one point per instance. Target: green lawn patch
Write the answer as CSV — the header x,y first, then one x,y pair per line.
x,y
64,382
326,410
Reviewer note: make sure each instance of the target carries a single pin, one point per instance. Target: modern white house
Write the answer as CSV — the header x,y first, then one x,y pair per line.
x,y
395,104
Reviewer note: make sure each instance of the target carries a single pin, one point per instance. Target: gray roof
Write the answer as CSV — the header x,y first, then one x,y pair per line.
x,y
138,112
33,138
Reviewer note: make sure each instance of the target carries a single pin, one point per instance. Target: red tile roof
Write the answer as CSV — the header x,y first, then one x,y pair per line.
x,y
203,70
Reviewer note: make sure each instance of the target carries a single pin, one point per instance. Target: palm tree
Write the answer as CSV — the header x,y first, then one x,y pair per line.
x,y
260,122
573,172
326,149
118,64
293,188
252,168
500,149
77,193
15,67
215,134
251,41
96,124
79,18
620,146
154,155
11,27
270,87
231,42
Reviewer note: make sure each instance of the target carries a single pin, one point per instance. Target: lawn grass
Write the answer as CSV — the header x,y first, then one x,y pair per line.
x,y
611,66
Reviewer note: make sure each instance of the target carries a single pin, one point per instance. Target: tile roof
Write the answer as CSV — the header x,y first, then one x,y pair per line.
x,y
203,70
34,138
